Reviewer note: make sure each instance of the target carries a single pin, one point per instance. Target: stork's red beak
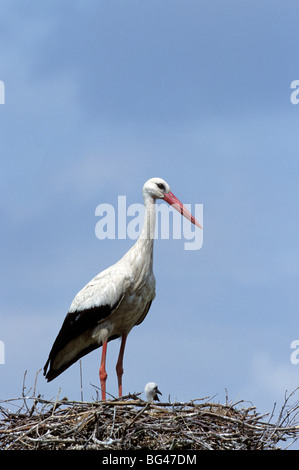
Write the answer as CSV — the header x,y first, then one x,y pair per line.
x,y
176,204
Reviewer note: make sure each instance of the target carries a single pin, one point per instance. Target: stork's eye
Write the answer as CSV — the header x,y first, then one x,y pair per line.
x,y
161,186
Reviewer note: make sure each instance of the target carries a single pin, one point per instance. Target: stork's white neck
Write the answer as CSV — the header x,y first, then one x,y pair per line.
x,y
148,230
145,243
140,256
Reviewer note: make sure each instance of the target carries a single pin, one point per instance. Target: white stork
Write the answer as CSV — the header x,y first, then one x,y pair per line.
x,y
114,301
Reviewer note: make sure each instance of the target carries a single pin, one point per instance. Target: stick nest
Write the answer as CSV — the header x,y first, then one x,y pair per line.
x,y
133,424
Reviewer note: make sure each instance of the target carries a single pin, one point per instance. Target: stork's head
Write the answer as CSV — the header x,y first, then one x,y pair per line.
x,y
151,391
157,188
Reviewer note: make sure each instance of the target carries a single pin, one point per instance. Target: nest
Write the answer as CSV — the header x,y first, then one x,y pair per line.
x,y
133,424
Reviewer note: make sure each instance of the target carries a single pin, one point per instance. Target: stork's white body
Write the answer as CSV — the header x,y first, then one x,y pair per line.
x,y
130,282
128,287
115,300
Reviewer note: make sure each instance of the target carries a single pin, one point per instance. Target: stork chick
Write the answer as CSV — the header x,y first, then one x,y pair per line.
x,y
151,391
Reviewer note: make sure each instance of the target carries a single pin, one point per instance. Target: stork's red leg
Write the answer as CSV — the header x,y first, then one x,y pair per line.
x,y
102,371
119,364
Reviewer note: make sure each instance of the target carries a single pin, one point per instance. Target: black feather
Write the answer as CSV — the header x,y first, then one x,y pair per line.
x,y
75,324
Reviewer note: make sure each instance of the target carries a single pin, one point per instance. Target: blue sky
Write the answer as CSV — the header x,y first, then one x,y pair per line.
x,y
99,97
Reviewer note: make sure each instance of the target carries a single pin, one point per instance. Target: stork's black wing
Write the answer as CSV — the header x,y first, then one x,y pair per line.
x,y
74,339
